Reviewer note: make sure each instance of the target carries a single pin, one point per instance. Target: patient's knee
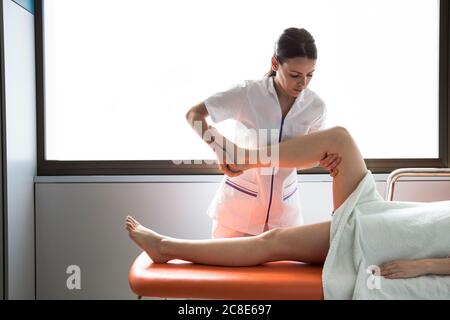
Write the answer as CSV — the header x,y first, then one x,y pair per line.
x,y
271,242
271,235
340,131
340,135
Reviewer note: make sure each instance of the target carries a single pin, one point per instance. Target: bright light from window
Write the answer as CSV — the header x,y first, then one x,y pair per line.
x,y
121,74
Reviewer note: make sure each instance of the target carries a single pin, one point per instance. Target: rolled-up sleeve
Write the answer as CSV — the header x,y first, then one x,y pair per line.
x,y
227,104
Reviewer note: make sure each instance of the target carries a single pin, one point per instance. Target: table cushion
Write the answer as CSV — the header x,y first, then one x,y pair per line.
x,y
284,280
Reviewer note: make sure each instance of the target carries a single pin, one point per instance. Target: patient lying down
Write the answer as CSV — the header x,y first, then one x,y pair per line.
x,y
404,240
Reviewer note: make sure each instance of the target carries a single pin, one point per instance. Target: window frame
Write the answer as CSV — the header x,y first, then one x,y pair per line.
x,y
153,167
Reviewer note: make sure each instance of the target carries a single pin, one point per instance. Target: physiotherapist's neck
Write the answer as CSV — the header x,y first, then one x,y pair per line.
x,y
282,95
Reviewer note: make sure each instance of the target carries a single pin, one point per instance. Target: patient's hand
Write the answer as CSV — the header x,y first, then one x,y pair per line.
x,y
402,269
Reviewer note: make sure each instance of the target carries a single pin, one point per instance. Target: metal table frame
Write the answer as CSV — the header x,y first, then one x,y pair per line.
x,y
411,172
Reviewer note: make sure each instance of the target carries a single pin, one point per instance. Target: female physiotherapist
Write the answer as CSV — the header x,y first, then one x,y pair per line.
x,y
256,201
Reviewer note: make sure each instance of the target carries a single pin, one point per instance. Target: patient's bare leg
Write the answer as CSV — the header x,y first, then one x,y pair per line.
x,y
306,151
306,244
146,239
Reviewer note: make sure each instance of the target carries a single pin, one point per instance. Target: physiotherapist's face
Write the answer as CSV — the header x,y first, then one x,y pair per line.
x,y
294,74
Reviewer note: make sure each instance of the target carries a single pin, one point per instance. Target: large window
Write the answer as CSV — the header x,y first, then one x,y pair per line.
x,y
117,76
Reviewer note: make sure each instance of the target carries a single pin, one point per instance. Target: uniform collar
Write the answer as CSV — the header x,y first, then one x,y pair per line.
x,y
272,90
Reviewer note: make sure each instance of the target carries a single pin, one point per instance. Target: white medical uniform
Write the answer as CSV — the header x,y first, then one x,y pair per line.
x,y
256,199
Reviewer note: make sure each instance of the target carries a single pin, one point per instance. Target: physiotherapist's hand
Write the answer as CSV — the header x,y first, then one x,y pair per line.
x,y
330,163
228,171
402,269
224,167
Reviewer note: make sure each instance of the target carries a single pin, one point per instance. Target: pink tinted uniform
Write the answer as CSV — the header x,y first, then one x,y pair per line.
x,y
262,199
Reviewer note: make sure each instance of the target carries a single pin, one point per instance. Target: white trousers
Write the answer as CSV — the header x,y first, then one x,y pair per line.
x,y
220,231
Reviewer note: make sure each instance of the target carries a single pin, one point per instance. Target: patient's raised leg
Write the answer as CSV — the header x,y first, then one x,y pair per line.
x,y
305,152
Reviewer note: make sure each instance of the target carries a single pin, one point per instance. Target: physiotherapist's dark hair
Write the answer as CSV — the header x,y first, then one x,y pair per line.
x,y
294,43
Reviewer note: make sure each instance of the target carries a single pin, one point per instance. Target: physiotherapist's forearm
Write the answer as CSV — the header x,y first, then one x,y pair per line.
x,y
195,120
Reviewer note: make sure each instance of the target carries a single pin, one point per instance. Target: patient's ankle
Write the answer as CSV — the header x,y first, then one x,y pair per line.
x,y
165,247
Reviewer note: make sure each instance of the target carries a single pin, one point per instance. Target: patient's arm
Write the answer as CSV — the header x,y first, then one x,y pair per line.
x,y
438,266
402,269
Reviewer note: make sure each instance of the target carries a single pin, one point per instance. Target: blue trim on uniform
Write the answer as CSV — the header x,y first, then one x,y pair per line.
x,y
291,194
290,184
239,189
26,4
239,186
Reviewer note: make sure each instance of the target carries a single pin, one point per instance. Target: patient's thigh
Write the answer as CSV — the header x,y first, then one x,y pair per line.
x,y
309,243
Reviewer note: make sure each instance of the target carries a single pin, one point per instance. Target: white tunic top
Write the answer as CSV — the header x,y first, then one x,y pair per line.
x,y
261,196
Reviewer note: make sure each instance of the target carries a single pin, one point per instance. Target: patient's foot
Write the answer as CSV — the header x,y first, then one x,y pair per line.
x,y
146,239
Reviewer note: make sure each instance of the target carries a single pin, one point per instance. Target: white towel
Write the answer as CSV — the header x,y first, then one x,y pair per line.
x,y
367,231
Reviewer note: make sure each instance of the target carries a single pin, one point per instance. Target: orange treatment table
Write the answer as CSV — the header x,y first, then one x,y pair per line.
x,y
284,280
